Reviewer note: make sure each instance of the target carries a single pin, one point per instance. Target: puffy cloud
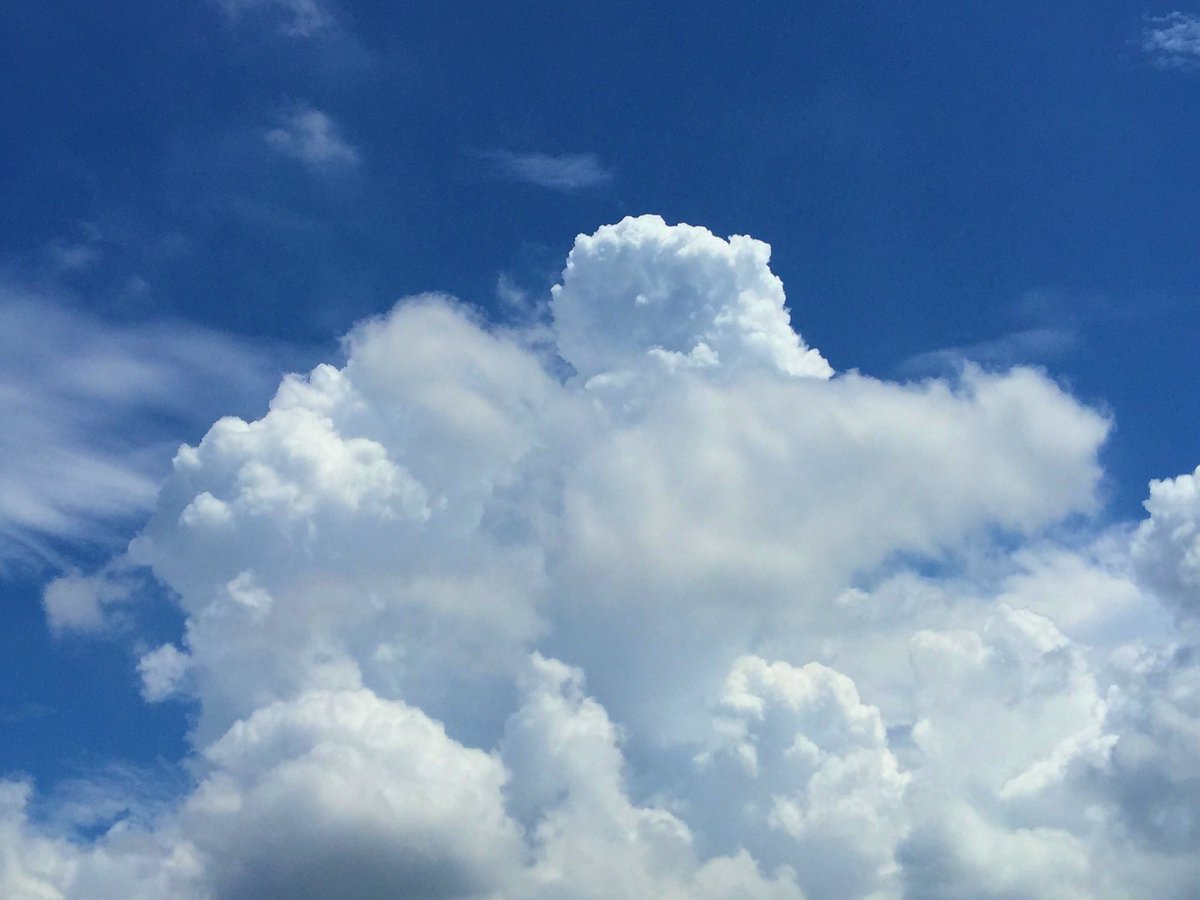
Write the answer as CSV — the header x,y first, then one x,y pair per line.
x,y
126,863
1166,549
815,665
957,853
679,295
310,136
1154,769
342,793
83,603
590,840
162,670
1090,593
802,775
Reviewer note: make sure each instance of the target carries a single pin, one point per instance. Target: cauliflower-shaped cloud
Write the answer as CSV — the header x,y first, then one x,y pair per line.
x,y
679,294
701,619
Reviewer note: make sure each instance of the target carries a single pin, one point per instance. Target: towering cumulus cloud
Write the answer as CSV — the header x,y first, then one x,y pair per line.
x,y
698,618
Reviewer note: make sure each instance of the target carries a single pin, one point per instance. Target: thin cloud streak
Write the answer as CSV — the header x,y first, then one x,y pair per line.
x,y
294,18
1032,345
87,405
567,172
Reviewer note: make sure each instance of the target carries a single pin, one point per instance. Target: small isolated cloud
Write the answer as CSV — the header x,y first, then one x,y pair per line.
x,y
295,18
310,136
82,603
1173,41
568,172
162,670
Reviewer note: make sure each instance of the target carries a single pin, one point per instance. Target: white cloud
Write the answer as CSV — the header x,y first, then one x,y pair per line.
x,y
1166,549
310,136
678,294
590,840
87,603
163,670
341,793
76,396
802,774
1173,41
700,619
566,172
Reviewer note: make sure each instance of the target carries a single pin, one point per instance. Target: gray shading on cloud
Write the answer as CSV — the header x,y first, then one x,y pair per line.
x,y
566,172
644,614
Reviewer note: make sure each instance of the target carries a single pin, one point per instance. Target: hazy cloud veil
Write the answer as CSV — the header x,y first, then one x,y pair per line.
x,y
704,619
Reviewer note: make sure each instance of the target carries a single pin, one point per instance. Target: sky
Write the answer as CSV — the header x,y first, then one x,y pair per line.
x,y
640,450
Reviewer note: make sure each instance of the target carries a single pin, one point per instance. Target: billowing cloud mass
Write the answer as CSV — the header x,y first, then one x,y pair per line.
x,y
664,607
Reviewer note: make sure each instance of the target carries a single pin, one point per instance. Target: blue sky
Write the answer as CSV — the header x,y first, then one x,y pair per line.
x,y
920,173
204,194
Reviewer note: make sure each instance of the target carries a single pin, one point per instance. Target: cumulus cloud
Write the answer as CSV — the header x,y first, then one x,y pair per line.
x,y
313,138
85,603
162,670
680,296
566,172
1166,549
1173,41
668,609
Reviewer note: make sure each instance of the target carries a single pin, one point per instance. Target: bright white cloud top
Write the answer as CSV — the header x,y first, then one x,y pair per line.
x,y
699,619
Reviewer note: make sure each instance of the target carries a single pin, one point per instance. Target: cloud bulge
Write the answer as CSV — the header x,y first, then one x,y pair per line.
x,y
702,618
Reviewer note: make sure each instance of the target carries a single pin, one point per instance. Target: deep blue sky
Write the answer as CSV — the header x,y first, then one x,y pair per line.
x,y
1015,180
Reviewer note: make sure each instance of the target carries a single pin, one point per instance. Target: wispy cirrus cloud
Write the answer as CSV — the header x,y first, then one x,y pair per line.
x,y
1031,345
88,410
313,138
565,172
1173,41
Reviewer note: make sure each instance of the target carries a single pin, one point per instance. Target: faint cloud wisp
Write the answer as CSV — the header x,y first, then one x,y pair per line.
x,y
568,172
91,410
1173,41
1033,345
295,18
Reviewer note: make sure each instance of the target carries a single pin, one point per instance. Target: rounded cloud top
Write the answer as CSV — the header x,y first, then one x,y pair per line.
x,y
680,294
